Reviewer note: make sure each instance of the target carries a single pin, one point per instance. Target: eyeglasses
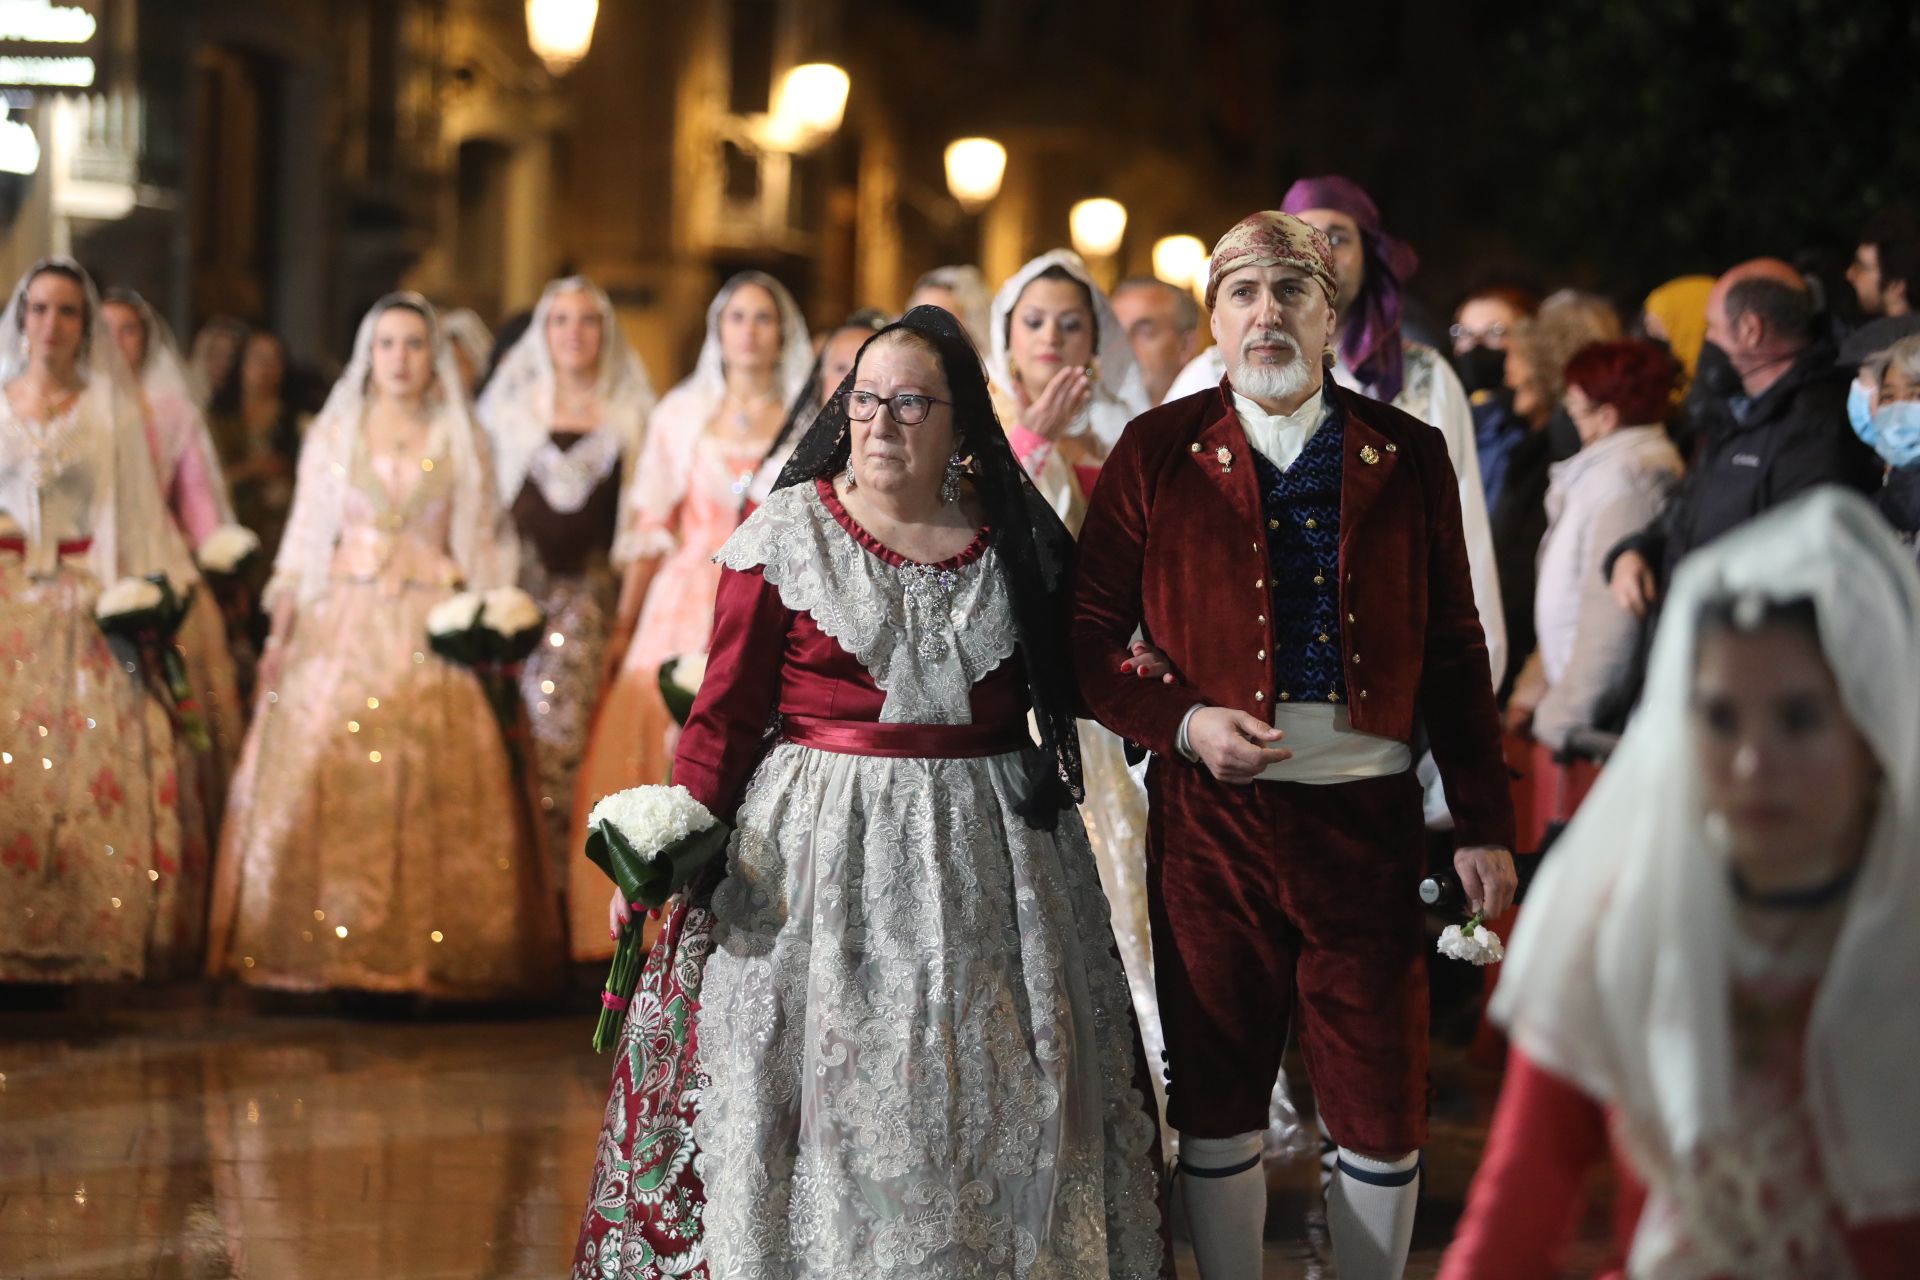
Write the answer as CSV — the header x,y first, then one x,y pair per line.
x,y
907,408
1493,331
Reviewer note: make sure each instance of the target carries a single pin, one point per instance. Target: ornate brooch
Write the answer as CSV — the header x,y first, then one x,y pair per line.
x,y
1369,454
1225,455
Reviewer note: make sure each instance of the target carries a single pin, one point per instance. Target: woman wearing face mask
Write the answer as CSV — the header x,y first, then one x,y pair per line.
x,y
705,443
1711,986
376,838
565,413
893,1038
103,845
1884,407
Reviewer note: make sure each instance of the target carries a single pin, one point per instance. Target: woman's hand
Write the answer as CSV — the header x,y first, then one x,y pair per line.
x,y
1149,663
618,912
272,655
1058,406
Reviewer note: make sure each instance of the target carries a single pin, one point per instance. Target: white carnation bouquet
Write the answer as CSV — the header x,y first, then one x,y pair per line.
x,y
500,627
228,551
144,615
492,632
1472,942
653,842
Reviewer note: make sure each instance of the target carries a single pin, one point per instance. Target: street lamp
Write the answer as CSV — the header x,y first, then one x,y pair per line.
x,y
809,106
1180,260
560,31
1097,225
975,167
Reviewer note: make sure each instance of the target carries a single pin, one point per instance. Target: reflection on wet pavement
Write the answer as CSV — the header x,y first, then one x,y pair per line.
x,y
195,1141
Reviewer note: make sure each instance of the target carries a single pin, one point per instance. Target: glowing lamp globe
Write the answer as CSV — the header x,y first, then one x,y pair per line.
x,y
975,167
809,106
1179,260
561,31
1098,225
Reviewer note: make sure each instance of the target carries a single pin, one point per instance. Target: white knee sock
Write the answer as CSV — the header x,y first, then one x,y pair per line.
x,y
1226,1197
1370,1215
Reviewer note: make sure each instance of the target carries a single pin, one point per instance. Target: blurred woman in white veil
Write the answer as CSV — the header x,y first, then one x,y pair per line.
x,y
706,442
471,343
377,837
565,412
103,853
195,492
1712,983
1065,384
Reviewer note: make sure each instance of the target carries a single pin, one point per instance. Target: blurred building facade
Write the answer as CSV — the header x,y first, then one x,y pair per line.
x,y
288,161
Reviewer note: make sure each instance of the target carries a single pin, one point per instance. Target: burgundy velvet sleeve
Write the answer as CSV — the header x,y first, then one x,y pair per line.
x,y
725,735
1526,1200
1107,606
1456,690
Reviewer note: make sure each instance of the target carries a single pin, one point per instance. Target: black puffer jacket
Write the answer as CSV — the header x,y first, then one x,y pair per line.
x,y
1793,437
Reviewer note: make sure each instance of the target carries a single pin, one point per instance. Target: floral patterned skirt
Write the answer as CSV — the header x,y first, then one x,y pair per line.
x,y
898,1043
561,686
103,844
645,1203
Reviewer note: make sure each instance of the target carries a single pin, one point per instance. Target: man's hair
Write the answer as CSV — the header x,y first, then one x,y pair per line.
x,y
1894,233
1186,312
1786,310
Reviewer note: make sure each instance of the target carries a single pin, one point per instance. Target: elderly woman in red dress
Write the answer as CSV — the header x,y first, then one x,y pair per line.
x,y
1712,983
897,1033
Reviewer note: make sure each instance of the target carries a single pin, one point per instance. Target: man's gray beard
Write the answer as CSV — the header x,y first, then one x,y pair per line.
x,y
1272,381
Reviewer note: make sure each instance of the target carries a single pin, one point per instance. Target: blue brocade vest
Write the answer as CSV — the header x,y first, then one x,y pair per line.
x,y
1301,507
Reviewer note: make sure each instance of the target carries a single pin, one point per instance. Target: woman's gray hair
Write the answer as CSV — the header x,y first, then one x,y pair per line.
x,y
1903,355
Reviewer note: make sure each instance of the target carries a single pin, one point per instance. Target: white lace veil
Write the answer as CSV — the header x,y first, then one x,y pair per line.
x,y
131,531
1617,978
468,333
1119,394
481,543
517,407
179,425
709,377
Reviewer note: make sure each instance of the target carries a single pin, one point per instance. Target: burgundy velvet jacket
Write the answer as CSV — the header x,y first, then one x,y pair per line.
x,y
1174,543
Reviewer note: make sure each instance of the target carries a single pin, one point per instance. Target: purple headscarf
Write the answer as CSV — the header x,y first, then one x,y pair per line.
x,y
1371,346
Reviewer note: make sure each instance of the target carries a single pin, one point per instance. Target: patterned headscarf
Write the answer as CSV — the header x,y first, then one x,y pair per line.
x,y
1268,239
1371,345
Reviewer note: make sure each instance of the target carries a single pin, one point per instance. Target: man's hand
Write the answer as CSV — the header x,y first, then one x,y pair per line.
x,y
1487,875
1632,585
1232,743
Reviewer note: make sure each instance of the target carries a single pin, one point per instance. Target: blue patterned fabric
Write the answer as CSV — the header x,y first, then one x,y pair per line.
x,y
1301,508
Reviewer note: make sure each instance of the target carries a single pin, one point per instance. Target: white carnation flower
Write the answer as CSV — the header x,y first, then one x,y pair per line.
x,y
226,548
454,614
129,595
651,818
509,611
690,671
1475,943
